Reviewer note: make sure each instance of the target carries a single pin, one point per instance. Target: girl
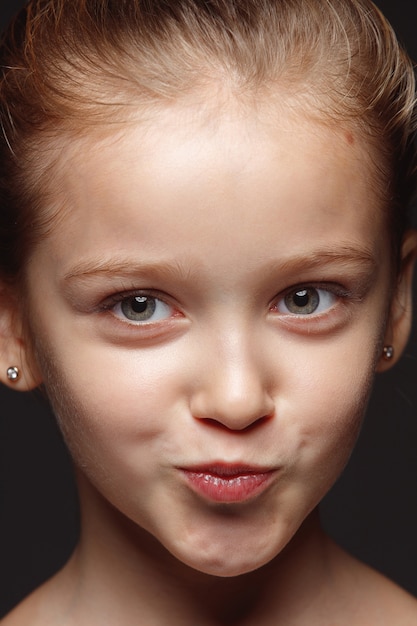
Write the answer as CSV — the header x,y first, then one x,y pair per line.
x,y
204,262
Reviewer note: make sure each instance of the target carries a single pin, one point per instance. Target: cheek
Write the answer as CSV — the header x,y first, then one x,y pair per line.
x,y
109,407
326,406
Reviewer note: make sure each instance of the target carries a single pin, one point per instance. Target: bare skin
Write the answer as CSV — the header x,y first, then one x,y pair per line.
x,y
312,581
226,284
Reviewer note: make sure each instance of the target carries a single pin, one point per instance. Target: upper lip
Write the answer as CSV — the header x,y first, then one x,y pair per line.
x,y
227,469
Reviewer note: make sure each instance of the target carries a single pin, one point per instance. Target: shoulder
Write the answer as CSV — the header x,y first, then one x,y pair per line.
x,y
36,610
387,603
25,614
373,599
46,605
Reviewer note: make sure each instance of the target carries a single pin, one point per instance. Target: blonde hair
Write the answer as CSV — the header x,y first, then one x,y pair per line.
x,y
69,65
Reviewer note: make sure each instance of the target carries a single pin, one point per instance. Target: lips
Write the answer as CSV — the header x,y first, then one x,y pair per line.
x,y
228,483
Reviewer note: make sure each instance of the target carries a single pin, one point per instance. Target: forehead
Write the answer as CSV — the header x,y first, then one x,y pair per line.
x,y
192,171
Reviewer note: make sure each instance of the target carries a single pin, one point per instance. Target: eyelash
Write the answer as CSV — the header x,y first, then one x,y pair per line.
x,y
115,303
324,291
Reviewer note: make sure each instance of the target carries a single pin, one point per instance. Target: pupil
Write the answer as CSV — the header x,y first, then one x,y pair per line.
x,y
139,304
301,298
139,308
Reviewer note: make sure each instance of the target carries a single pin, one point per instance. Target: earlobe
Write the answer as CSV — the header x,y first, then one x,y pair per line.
x,y
400,319
388,353
17,379
16,368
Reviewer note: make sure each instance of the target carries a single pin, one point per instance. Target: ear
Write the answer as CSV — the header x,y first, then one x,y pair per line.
x,y
14,348
400,318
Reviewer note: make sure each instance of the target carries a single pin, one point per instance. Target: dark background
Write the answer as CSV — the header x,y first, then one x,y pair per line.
x,y
372,510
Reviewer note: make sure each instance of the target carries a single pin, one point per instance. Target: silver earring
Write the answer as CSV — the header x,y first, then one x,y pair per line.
x,y
388,353
13,373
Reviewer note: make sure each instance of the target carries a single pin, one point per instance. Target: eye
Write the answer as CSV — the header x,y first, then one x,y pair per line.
x,y
142,309
306,301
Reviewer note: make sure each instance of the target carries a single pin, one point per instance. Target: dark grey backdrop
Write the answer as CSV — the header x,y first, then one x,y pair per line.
x,y
372,510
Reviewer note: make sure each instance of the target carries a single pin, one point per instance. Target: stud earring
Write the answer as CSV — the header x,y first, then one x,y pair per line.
x,y
13,373
388,353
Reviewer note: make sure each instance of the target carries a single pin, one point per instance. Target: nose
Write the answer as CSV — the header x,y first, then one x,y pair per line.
x,y
232,389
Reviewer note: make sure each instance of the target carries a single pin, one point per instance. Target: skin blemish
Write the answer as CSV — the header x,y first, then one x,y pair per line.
x,y
350,138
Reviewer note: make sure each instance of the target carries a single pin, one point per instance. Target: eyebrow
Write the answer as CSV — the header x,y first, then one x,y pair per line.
x,y
95,268
345,254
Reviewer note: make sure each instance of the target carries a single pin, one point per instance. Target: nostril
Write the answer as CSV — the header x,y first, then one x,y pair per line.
x,y
237,400
221,425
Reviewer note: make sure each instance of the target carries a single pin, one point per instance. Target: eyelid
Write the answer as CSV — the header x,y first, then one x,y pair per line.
x,y
317,324
159,310
110,302
337,290
122,331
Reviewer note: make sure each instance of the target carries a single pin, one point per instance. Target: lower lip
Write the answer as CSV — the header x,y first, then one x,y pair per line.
x,y
228,489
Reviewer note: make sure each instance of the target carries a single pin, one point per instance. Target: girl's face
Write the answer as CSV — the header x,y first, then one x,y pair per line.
x,y
208,315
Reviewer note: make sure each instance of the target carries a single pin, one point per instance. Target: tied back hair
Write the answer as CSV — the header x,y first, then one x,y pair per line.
x,y
70,66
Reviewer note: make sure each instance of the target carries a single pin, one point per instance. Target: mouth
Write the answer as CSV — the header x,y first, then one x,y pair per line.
x,y
226,483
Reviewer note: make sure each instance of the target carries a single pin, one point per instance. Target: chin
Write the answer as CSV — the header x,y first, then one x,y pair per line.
x,y
226,563
222,569
232,570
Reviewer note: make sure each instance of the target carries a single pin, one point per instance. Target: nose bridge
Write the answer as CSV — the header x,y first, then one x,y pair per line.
x,y
233,385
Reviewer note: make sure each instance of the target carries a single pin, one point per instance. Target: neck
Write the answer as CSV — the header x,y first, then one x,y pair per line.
x,y
128,577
